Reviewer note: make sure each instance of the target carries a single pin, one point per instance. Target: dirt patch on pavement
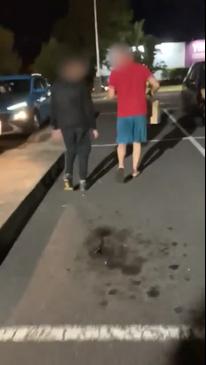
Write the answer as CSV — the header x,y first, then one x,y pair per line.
x,y
115,250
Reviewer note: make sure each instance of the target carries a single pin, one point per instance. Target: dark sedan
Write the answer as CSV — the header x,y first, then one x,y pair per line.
x,y
193,94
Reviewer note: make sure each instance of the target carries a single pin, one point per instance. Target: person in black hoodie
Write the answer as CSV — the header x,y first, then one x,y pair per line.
x,y
73,116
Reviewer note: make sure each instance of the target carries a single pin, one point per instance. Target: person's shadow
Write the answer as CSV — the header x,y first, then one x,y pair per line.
x,y
192,350
169,141
110,161
103,168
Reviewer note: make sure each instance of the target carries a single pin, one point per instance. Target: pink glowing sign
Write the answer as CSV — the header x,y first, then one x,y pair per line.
x,y
195,52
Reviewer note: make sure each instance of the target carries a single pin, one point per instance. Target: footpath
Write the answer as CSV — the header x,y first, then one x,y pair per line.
x,y
26,174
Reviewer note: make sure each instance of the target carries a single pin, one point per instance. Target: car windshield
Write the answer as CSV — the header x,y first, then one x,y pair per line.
x,y
13,87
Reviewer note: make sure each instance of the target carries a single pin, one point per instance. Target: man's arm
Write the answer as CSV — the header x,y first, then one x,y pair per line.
x,y
111,93
54,121
154,84
112,86
89,108
90,112
56,132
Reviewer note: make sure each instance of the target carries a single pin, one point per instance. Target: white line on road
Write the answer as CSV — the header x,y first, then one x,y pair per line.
x,y
152,141
104,333
199,137
183,130
104,145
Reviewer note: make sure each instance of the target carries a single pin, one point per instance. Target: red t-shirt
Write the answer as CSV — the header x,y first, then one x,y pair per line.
x,y
130,83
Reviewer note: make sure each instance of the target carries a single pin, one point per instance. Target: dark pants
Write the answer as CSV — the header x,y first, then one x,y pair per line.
x,y
78,144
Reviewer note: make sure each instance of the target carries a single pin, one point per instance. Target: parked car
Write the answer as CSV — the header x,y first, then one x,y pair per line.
x,y
24,103
193,94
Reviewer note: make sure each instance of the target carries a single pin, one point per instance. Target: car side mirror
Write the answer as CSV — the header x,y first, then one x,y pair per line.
x,y
190,83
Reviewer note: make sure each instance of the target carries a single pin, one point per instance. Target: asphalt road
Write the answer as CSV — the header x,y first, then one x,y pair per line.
x,y
150,272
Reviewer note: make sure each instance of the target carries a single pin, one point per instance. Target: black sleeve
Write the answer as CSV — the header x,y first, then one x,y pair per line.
x,y
89,109
54,121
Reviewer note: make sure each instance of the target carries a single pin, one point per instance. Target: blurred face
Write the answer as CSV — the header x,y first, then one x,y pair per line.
x,y
74,71
119,57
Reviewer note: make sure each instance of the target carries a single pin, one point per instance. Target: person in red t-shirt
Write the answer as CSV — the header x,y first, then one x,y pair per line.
x,y
128,81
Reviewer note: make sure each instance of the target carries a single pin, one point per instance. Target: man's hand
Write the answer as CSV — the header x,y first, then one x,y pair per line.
x,y
95,133
111,93
154,84
56,135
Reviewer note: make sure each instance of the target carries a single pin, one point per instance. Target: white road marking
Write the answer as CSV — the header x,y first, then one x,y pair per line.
x,y
176,139
183,130
104,333
104,145
199,137
152,141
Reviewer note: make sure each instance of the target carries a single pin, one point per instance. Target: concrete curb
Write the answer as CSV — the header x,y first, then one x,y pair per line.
x,y
10,231
163,89
170,89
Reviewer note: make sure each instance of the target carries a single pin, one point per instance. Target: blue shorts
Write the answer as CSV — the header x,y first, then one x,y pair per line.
x,y
132,129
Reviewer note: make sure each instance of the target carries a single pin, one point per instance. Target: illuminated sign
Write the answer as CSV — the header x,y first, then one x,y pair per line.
x,y
195,52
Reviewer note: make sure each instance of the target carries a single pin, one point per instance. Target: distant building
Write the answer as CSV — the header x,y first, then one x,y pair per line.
x,y
195,52
174,55
180,55
171,54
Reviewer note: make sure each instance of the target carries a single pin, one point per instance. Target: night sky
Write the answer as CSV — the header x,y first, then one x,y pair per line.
x,y
181,20
32,21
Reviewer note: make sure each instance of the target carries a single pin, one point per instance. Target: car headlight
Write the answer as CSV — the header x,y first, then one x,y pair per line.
x,y
18,106
21,115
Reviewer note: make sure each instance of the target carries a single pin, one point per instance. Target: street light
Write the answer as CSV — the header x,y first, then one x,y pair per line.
x,y
98,73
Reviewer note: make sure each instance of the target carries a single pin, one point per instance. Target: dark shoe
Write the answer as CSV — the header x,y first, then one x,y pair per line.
x,y
83,186
68,183
120,176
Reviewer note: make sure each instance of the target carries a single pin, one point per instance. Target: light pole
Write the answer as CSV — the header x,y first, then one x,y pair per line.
x,y
98,73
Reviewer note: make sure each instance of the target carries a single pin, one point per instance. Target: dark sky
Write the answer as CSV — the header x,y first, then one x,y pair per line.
x,y
172,19
32,20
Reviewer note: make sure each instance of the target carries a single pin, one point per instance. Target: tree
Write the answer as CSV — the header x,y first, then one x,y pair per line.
x,y
49,58
77,28
148,42
150,51
9,60
137,34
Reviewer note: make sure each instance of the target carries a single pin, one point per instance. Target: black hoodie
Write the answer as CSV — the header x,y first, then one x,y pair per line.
x,y
71,106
